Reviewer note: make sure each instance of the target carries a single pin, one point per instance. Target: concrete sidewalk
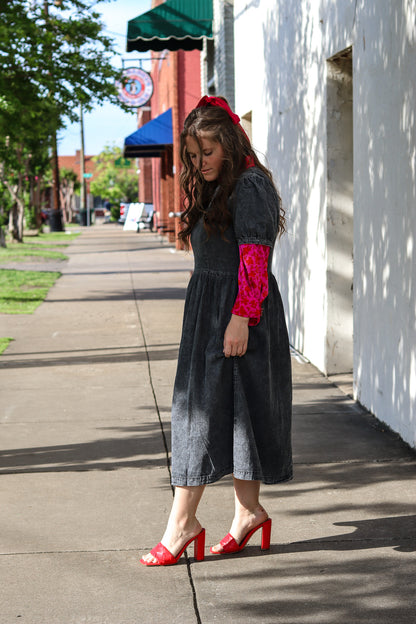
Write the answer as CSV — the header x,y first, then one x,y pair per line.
x,y
84,480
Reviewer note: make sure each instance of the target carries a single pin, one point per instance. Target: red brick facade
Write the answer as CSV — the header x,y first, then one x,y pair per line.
x,y
177,85
74,163
145,164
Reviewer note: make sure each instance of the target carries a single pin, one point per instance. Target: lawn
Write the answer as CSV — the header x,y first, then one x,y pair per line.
x,y
59,237
4,343
43,246
21,292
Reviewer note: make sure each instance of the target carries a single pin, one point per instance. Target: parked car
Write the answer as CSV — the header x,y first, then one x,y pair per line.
x,y
123,212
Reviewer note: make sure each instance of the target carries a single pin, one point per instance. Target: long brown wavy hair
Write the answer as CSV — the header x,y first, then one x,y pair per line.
x,y
214,123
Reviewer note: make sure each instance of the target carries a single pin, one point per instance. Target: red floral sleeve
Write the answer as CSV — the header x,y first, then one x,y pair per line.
x,y
253,282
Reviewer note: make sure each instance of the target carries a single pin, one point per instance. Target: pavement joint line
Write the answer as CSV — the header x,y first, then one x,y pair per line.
x,y
83,350
69,552
62,469
333,540
165,443
149,370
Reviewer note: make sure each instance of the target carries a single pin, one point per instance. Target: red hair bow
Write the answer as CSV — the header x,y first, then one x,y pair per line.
x,y
211,100
208,100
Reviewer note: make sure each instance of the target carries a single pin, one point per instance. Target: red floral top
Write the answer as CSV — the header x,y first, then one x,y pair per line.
x,y
253,282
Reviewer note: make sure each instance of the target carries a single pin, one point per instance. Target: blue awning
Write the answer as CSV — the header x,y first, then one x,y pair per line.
x,y
152,139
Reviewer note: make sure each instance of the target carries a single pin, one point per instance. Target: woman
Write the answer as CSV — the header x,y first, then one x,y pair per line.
x,y
231,411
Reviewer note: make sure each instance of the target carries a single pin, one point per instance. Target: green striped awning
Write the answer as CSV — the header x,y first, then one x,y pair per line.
x,y
173,25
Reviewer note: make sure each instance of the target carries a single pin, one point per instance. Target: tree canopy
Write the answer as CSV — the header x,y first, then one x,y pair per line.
x,y
59,52
112,182
54,56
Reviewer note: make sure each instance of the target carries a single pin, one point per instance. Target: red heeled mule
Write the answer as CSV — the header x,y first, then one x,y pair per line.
x,y
164,557
229,545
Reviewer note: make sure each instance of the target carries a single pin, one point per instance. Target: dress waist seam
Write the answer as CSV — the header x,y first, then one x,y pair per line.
x,y
216,272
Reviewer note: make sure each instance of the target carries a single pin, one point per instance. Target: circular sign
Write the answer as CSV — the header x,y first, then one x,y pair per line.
x,y
137,89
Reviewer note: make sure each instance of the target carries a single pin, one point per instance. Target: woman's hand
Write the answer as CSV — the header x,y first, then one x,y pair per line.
x,y
236,336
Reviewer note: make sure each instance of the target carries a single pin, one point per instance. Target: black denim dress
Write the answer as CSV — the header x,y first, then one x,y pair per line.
x,y
232,415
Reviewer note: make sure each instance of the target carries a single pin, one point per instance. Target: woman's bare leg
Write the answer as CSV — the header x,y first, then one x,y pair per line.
x,y
182,524
248,511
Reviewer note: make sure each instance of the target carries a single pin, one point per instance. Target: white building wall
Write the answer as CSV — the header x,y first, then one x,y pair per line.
x,y
385,233
281,53
223,30
217,58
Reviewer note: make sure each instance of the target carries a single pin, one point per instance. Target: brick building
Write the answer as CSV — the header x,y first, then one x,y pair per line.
x,y
144,165
74,163
176,74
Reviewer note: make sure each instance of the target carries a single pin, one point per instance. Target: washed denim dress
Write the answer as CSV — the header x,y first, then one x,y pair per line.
x,y
232,415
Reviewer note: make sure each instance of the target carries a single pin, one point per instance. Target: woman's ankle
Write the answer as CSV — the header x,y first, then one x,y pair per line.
x,y
183,526
250,512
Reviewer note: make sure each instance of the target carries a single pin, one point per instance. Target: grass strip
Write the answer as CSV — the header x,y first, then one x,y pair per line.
x,y
60,237
21,292
24,251
4,343
45,247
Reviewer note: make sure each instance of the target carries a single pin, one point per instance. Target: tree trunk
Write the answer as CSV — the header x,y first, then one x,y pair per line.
x,y
67,199
63,190
16,221
71,201
35,200
17,213
2,238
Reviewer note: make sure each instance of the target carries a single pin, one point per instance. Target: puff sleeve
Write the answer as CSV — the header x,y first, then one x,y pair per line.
x,y
256,209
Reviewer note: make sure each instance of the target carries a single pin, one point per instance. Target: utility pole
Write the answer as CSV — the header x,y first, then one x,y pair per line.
x,y
55,221
83,189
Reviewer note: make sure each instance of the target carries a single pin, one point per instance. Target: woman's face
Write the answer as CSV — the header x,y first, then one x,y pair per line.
x,y
207,156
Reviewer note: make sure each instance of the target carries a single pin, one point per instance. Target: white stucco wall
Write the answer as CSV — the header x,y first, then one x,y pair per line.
x,y
385,215
281,53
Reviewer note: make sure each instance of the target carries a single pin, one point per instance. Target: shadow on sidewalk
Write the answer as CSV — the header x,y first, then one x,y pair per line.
x,y
132,271
133,248
84,357
134,451
339,589
398,532
141,294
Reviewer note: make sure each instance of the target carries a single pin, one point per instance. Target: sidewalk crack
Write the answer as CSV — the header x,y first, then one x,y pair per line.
x,y
165,444
149,371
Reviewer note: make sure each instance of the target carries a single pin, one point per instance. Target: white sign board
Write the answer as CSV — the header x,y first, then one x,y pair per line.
x,y
134,212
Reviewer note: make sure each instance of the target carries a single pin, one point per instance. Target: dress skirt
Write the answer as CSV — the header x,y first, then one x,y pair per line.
x,y
232,415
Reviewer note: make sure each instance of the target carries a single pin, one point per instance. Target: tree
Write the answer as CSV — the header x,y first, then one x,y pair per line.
x,y
24,145
53,58
69,184
6,205
114,182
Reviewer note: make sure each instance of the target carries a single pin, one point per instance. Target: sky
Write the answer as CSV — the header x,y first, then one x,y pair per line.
x,y
108,124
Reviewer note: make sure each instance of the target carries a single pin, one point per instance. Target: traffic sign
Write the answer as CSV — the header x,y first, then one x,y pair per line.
x,y
122,162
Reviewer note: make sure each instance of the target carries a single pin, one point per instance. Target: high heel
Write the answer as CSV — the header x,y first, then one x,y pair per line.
x,y
229,545
164,557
